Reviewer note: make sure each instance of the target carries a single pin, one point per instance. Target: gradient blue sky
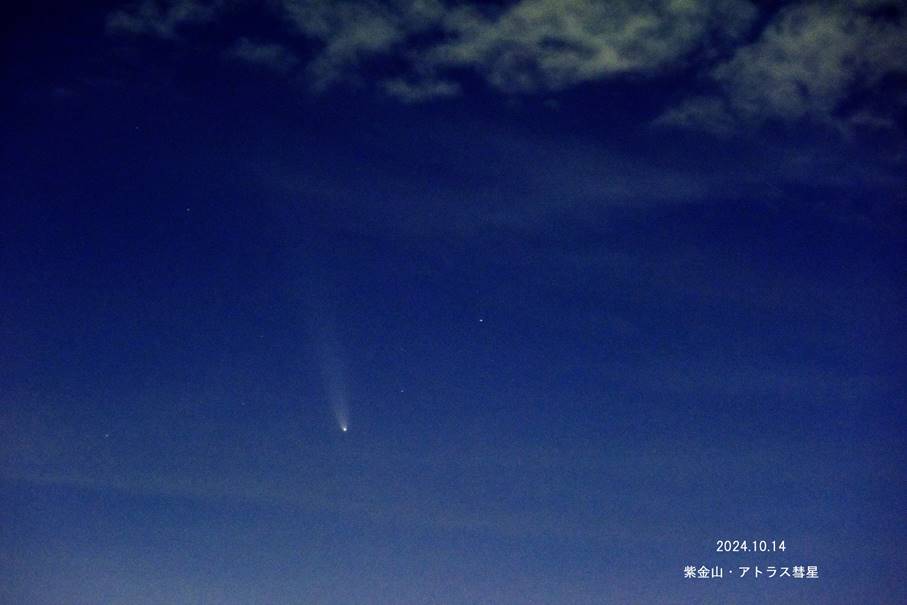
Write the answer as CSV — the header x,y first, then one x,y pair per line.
x,y
599,284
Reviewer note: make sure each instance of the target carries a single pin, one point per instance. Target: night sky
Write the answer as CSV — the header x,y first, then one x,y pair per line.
x,y
436,302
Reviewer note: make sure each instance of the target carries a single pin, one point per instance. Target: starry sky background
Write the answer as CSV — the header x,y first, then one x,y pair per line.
x,y
600,284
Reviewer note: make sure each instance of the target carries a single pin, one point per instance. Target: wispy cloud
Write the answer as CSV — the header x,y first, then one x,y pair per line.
x,y
828,63
352,31
421,90
529,46
809,62
543,45
275,57
162,19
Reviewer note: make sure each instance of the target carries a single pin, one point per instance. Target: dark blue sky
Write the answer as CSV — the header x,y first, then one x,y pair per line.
x,y
592,286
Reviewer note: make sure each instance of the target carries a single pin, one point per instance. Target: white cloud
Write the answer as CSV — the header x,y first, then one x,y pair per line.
x,y
270,56
806,64
161,19
528,46
531,46
703,112
553,44
352,31
419,91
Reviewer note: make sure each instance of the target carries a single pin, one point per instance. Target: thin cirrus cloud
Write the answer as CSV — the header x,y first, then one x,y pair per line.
x,y
806,62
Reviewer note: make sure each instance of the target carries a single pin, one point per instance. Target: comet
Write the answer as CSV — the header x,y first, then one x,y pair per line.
x,y
333,371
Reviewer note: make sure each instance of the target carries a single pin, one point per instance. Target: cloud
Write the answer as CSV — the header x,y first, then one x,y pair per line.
x,y
352,31
269,56
419,91
543,45
530,46
161,19
807,63
829,63
703,112
525,47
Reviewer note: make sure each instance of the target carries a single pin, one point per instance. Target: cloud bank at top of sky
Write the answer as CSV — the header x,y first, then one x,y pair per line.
x,y
833,63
